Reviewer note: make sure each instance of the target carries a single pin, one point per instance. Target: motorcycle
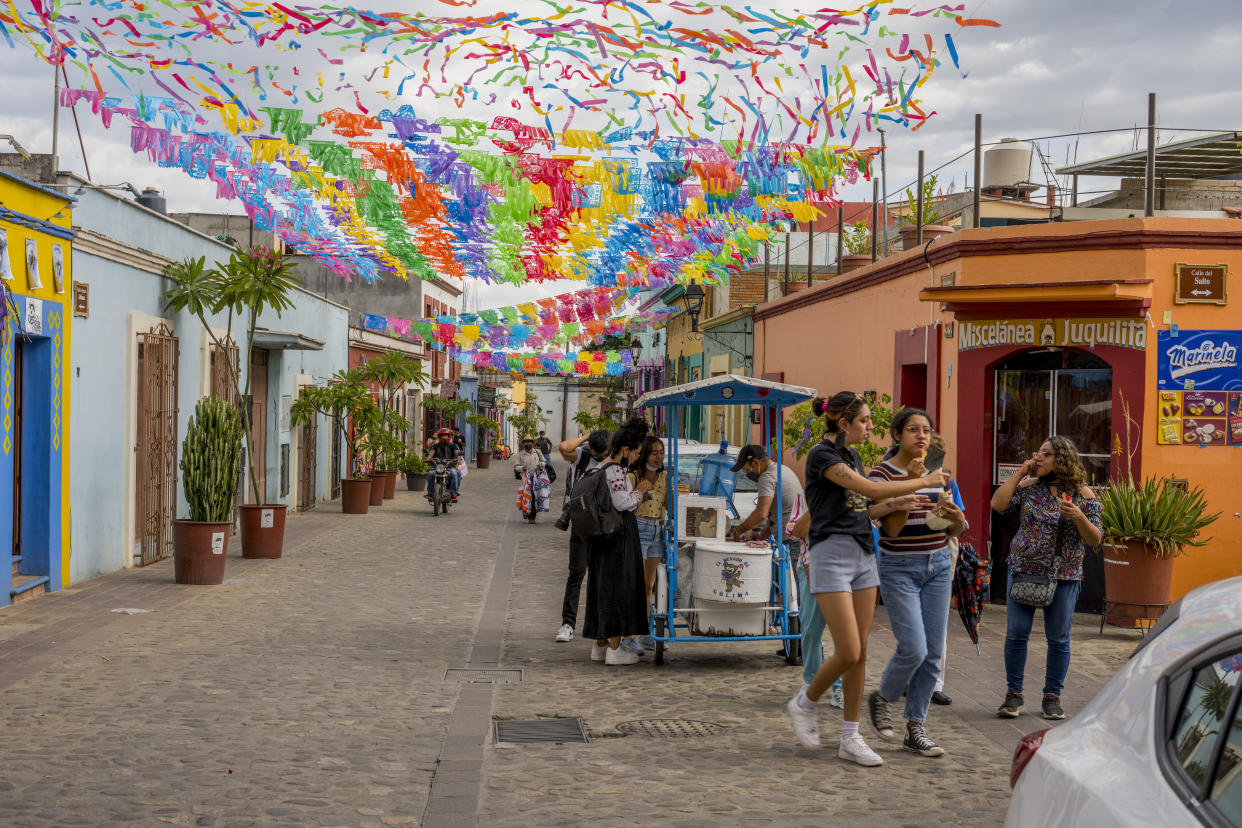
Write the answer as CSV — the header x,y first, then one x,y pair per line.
x,y
441,498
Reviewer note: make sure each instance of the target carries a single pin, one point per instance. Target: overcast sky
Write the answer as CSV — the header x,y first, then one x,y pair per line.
x,y
1055,66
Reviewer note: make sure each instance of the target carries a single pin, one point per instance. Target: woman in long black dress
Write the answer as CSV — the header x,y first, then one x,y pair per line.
x,y
616,591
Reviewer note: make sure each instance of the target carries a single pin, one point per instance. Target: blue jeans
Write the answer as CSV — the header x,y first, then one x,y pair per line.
x,y
916,590
1058,619
454,480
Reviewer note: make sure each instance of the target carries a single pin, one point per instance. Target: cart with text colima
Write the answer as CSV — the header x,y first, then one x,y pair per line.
x,y
709,589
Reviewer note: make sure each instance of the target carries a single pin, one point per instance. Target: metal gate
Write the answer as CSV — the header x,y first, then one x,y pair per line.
x,y
335,477
307,463
156,501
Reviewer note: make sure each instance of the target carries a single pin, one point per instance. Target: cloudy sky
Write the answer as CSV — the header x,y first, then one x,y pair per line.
x,y
1055,67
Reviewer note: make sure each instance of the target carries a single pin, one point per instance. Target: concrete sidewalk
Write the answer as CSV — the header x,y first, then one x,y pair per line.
x,y
310,691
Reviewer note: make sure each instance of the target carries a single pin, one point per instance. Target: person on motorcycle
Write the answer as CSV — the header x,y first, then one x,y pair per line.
x,y
444,449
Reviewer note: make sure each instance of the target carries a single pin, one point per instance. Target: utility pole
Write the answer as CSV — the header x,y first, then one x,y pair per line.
x,y
884,185
810,250
875,217
55,117
1149,184
918,212
977,197
840,236
786,292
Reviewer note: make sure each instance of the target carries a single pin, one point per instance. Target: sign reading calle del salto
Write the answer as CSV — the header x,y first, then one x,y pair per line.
x,y
1081,333
1202,284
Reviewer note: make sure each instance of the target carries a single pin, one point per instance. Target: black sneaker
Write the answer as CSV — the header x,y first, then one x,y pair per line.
x,y
941,699
1053,709
881,716
916,741
1011,707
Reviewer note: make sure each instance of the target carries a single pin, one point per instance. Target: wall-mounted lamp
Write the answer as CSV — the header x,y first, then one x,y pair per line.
x,y
692,298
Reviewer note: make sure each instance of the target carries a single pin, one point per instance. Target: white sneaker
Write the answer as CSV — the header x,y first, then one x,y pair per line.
x,y
565,633
836,697
620,657
597,651
854,749
805,724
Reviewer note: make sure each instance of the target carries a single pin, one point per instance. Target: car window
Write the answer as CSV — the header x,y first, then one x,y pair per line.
x,y
1226,792
1201,719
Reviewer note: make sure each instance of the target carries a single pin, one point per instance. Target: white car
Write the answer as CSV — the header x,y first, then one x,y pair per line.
x,y
1160,744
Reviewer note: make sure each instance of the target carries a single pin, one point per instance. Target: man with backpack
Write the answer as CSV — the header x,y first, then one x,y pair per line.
x,y
586,454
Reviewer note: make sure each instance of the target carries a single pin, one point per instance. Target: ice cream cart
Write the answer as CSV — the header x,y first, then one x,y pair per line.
x,y
709,589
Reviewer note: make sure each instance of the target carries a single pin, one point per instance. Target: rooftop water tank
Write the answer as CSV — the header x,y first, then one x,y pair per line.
x,y
1007,165
153,200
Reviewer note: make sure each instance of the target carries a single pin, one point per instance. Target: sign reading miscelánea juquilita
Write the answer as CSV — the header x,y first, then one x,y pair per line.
x,y
1080,333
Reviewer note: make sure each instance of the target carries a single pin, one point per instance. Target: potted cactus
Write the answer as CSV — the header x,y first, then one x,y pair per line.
x,y
210,461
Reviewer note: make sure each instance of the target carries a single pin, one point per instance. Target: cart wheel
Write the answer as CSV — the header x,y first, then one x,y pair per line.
x,y
659,651
793,647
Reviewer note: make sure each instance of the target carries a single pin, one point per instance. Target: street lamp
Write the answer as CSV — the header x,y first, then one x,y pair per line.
x,y
636,348
692,298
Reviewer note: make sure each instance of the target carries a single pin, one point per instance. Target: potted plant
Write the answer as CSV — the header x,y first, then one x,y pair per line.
x,y
347,399
378,444
487,430
253,280
857,245
415,469
1145,526
931,216
210,459
390,372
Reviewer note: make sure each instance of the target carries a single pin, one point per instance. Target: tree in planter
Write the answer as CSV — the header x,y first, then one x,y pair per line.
x,y
252,281
530,418
448,409
857,239
391,371
347,398
485,427
931,207
804,429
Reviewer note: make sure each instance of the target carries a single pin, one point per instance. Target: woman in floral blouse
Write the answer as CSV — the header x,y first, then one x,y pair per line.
x,y
1050,491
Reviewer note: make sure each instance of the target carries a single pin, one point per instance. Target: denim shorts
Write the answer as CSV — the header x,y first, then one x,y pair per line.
x,y
840,564
650,537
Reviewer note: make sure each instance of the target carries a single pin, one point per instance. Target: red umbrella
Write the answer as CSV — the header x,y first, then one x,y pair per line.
x,y
970,587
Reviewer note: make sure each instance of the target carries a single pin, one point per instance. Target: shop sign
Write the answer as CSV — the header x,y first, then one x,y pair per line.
x,y
1203,284
1199,360
1004,471
1082,333
487,396
1199,402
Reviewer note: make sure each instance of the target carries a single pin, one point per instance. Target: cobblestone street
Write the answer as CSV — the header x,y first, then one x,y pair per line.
x,y
311,690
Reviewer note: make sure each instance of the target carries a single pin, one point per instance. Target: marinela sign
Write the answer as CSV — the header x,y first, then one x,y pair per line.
x,y
1079,333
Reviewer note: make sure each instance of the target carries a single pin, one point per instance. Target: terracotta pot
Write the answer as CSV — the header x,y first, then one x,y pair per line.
x,y
263,530
794,287
355,496
390,483
377,490
200,549
855,261
1136,582
483,459
930,231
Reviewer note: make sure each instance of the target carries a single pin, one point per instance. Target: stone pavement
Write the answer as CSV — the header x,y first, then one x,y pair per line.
x,y
310,691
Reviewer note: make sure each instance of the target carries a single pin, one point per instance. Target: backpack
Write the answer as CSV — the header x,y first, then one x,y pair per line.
x,y
591,513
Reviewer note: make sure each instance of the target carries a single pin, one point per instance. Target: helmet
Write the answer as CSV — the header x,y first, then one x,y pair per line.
x,y
444,432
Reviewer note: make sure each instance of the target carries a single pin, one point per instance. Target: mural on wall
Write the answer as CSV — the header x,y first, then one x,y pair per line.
x,y
58,268
6,272
32,265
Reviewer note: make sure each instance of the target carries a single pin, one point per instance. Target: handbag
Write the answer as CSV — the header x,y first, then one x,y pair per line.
x,y
1037,589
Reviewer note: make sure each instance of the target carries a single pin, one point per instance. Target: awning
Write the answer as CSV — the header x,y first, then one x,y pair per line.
x,y
1208,156
728,389
285,341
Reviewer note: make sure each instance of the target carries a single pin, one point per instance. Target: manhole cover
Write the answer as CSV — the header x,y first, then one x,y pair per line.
x,y
670,728
540,730
464,675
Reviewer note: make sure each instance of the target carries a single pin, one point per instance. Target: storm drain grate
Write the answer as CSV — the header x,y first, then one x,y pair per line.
x,y
465,675
670,728
540,730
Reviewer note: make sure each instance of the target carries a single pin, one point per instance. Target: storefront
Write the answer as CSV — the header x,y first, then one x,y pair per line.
x,y
35,267
1117,334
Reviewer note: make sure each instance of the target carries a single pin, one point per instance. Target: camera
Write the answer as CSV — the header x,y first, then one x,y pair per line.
x,y
562,522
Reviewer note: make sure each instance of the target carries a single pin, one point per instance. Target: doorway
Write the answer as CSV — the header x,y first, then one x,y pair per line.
x,y
307,462
156,449
18,395
258,422
1037,394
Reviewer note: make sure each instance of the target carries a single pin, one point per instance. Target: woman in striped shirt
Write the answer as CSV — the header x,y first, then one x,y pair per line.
x,y
915,580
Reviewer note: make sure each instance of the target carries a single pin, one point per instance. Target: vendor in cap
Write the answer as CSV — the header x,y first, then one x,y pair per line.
x,y
754,462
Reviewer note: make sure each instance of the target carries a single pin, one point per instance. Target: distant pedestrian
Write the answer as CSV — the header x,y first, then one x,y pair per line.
x,y
916,575
843,574
544,445
532,492
616,597
652,513
1059,516
585,453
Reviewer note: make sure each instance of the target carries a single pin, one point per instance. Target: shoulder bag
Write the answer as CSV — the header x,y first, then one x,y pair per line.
x,y
1038,589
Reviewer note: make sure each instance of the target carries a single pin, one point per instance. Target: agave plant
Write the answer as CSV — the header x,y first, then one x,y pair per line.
x,y
1166,517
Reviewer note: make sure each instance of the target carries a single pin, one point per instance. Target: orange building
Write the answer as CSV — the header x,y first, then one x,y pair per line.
x,y
1118,334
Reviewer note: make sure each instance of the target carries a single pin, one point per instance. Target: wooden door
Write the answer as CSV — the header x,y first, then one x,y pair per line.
x,y
258,421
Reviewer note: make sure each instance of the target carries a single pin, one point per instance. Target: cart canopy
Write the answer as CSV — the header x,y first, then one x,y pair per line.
x,y
728,389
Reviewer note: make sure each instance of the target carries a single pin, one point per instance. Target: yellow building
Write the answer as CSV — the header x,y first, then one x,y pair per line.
x,y
35,267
